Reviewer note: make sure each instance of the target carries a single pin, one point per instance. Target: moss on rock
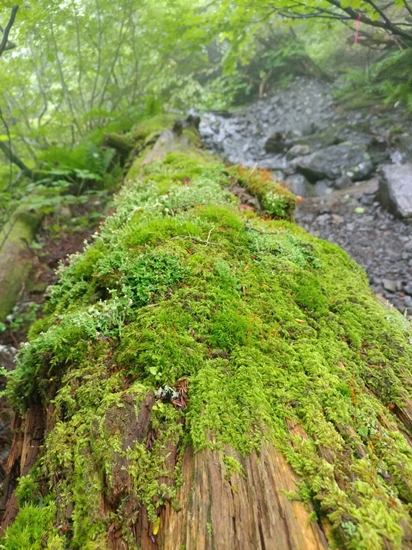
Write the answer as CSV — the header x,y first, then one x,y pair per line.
x,y
276,334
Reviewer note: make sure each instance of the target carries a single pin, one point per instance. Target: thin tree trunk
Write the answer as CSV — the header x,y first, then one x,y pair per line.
x,y
12,157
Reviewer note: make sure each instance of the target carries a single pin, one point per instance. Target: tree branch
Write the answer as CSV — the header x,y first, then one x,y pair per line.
x,y
15,159
378,10
9,138
355,15
6,32
298,10
407,6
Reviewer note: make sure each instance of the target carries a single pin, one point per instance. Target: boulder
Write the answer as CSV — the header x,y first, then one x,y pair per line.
x,y
323,187
298,150
395,189
335,161
299,185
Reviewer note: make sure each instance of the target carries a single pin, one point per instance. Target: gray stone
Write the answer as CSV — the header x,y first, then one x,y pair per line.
x,y
334,162
299,185
298,150
395,189
323,218
357,137
308,128
322,187
408,288
389,285
7,355
343,182
274,163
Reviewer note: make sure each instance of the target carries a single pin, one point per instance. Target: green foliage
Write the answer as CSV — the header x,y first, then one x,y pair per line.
x,y
387,81
29,529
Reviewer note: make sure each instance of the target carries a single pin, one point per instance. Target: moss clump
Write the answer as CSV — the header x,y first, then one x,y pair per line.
x,y
276,333
275,198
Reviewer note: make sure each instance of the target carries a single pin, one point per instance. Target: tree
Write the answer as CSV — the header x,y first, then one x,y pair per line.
x,y
5,44
391,17
238,23
206,378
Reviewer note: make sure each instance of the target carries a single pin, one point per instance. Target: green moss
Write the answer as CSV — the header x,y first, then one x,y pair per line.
x,y
15,262
33,529
275,198
154,125
272,329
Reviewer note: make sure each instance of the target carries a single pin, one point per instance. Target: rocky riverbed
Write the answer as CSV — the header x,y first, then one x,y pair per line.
x,y
343,164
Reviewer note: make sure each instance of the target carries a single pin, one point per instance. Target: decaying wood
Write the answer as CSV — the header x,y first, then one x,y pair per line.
x,y
404,414
216,511
246,512
28,436
15,257
133,429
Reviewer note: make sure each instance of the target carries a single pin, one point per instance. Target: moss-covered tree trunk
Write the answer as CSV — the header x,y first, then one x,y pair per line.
x,y
209,377
15,257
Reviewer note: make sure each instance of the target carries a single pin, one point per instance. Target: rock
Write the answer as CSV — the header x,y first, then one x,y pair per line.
x,y
343,182
356,137
298,150
389,285
367,200
395,189
309,128
404,142
408,288
299,185
7,355
323,187
397,157
323,218
274,163
334,162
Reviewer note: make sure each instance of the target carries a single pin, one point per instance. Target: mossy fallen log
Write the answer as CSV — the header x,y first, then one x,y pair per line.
x,y
15,257
207,378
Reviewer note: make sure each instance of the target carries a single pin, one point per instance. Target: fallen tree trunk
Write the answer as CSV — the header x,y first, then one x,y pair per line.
x,y
15,257
208,377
